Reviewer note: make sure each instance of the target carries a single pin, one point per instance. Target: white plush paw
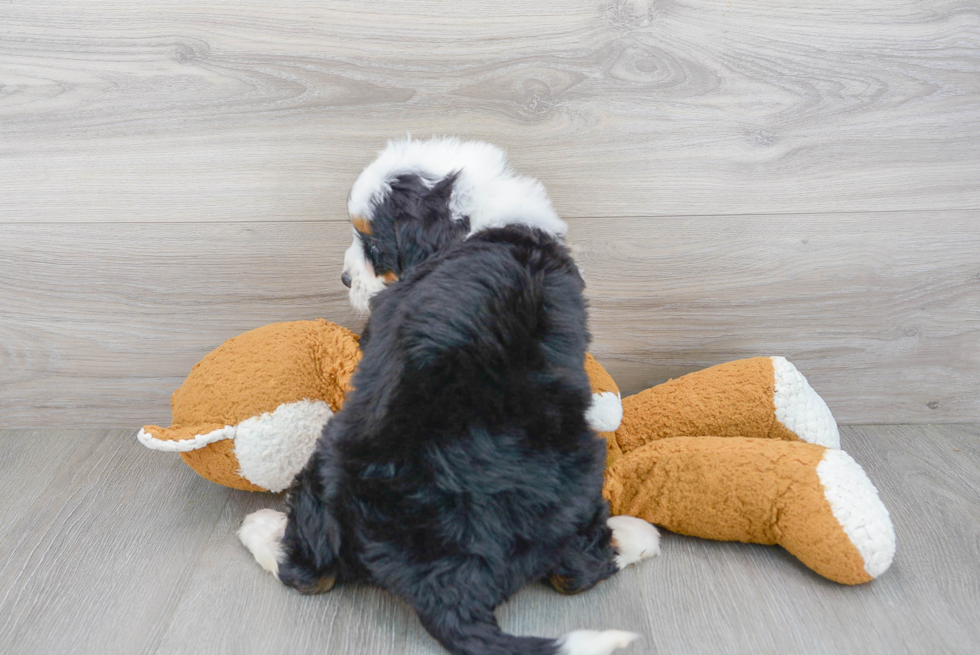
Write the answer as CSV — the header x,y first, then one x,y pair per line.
x,y
854,501
606,412
262,533
634,540
594,642
801,409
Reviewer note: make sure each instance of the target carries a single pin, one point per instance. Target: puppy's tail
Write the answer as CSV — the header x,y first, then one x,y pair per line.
x,y
463,634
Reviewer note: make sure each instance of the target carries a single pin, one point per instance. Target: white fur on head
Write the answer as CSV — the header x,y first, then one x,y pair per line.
x,y
364,283
487,191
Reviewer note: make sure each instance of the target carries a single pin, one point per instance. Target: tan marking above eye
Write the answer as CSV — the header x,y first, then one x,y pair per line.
x,y
361,224
390,277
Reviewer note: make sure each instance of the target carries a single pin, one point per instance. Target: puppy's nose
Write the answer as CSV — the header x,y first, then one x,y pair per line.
x,y
345,278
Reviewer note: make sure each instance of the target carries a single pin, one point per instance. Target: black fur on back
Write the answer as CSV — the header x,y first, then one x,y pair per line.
x,y
461,466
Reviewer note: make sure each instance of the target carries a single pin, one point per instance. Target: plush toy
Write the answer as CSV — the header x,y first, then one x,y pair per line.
x,y
744,451
249,414
747,451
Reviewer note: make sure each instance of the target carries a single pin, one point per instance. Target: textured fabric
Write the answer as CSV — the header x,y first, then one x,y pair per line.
x,y
254,374
599,378
217,463
259,370
763,491
734,399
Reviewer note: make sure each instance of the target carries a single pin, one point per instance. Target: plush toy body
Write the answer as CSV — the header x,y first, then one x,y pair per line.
x,y
744,451
249,414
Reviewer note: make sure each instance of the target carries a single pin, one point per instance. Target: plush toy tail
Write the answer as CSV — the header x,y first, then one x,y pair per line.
x,y
261,453
762,397
209,449
178,439
816,502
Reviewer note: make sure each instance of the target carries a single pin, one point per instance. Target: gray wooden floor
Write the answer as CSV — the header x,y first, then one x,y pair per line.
x,y
107,547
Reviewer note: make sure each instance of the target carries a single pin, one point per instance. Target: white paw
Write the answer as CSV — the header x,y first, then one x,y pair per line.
x,y
594,642
634,540
262,532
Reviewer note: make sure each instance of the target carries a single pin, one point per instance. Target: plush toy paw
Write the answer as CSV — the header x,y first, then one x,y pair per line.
x,y
595,642
634,540
801,409
262,534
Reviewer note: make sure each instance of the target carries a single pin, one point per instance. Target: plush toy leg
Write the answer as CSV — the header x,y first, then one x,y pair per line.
x,y
814,501
763,397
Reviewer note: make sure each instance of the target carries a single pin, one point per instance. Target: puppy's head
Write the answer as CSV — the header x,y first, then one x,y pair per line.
x,y
419,197
410,223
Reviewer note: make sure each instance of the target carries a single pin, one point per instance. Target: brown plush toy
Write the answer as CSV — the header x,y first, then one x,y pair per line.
x,y
744,451
747,451
249,414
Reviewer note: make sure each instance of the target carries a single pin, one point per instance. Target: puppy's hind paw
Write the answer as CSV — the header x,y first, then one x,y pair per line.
x,y
594,642
262,534
634,540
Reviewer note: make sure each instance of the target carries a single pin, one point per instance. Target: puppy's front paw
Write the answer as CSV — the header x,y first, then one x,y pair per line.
x,y
634,540
262,534
594,642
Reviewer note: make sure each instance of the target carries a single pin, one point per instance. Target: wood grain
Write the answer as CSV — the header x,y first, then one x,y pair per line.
x,y
101,322
258,111
97,562
880,312
42,453
127,550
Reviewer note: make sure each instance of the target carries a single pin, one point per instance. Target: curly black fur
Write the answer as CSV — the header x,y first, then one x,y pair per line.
x,y
411,223
461,466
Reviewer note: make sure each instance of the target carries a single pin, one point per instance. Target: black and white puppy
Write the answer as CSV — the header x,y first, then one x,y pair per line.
x,y
462,465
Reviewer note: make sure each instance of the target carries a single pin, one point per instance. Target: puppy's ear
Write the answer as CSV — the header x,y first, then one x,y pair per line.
x,y
312,538
434,228
438,197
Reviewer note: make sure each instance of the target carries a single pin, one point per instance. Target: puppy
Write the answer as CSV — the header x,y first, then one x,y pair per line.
x,y
462,465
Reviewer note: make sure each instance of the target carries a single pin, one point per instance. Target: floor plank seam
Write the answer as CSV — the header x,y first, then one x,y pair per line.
x,y
567,217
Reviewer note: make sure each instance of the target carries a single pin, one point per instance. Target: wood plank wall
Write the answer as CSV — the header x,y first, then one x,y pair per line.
x,y
741,178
